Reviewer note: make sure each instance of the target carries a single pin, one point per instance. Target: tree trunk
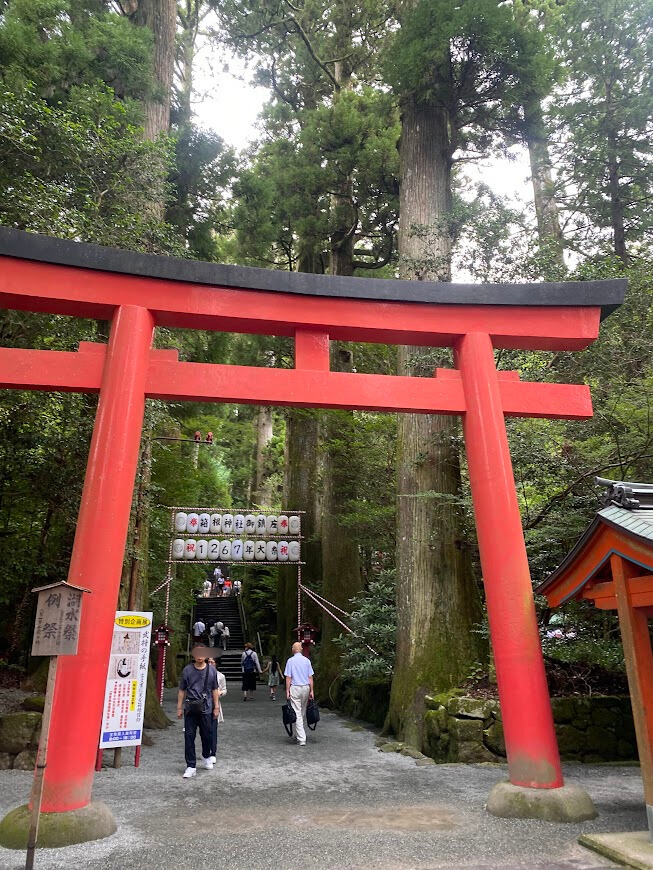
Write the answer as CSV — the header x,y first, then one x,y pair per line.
x,y
133,583
154,715
160,16
546,209
341,574
189,16
616,201
300,492
437,600
264,434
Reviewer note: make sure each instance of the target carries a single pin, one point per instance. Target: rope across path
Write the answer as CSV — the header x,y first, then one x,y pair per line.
x,y
329,607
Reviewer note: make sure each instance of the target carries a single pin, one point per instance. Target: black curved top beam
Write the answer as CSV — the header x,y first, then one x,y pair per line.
x,y
607,295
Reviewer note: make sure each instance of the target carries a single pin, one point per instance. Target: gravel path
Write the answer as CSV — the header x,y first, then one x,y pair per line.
x,y
336,803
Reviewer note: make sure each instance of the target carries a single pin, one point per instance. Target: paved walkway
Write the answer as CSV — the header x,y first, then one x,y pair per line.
x,y
337,803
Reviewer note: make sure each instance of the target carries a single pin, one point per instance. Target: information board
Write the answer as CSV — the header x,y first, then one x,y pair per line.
x,y
124,698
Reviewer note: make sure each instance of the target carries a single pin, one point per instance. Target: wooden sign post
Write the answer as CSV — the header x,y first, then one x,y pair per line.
x,y
56,633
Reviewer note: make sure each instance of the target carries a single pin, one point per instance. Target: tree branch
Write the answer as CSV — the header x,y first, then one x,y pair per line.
x,y
307,42
537,519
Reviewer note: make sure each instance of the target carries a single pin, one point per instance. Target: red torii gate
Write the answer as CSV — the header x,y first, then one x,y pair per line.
x,y
139,292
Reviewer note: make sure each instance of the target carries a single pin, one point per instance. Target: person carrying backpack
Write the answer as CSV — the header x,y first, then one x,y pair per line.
x,y
250,667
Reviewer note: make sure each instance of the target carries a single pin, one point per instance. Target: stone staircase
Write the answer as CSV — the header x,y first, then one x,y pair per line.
x,y
224,610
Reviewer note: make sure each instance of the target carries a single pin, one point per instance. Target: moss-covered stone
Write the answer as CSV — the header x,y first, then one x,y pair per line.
x,y
563,709
17,731
38,678
474,753
410,752
603,717
432,725
92,822
601,742
442,699
25,760
34,703
569,803
493,738
626,749
570,739
469,708
6,761
391,746
424,762
467,730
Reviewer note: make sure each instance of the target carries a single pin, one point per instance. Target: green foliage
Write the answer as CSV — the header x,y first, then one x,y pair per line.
x,y
62,44
471,58
203,169
605,113
373,621
580,633
81,170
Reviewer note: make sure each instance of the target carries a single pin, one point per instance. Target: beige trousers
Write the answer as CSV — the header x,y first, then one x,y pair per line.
x,y
299,700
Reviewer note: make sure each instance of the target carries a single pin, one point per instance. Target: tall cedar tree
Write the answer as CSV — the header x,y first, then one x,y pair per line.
x,y
459,70
606,109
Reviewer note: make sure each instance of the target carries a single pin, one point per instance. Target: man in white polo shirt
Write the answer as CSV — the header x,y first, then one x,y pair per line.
x,y
299,687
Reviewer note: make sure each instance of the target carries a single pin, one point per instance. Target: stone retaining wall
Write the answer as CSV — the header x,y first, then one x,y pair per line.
x,y
593,729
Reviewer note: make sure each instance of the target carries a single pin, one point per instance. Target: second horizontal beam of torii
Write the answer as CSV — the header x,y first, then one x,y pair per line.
x,y
171,380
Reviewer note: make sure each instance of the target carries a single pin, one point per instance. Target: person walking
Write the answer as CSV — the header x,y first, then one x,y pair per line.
x,y
198,632
250,667
222,690
226,634
299,688
217,631
273,670
197,701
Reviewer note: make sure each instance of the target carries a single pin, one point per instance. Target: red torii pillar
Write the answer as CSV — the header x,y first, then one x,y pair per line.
x,y
129,371
533,759
99,542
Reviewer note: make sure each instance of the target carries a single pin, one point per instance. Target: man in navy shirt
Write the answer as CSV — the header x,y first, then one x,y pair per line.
x,y
198,688
299,687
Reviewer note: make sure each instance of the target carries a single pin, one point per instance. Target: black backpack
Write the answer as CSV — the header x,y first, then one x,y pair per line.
x,y
249,665
312,714
289,717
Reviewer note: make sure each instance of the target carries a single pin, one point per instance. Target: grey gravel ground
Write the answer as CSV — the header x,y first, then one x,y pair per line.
x,y
338,802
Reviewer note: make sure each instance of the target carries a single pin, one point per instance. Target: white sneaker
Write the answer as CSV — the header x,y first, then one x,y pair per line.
x,y
190,771
207,764
213,759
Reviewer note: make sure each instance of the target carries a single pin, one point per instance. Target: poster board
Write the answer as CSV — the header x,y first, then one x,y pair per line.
x,y
124,697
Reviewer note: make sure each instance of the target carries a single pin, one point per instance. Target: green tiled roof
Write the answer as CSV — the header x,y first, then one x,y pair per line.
x,y
637,522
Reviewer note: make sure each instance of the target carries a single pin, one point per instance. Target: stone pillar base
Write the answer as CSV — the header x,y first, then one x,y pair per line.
x,y
92,822
569,803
